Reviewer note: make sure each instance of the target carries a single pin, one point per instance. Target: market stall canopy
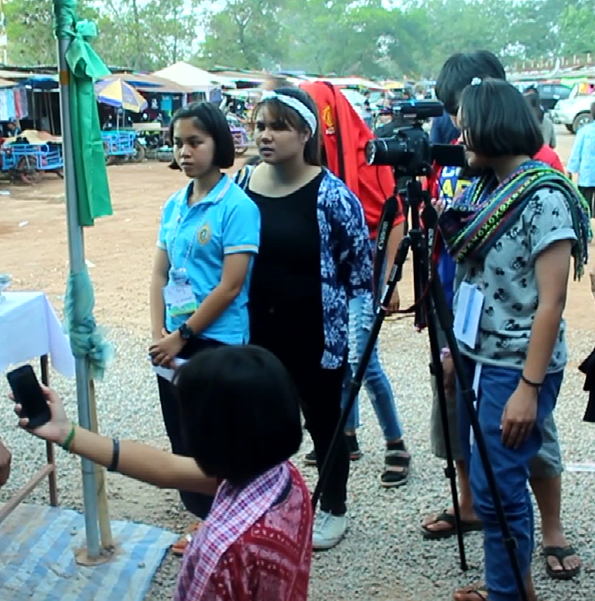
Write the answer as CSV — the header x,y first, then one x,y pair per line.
x,y
16,75
252,78
117,93
150,83
352,82
194,78
36,81
41,82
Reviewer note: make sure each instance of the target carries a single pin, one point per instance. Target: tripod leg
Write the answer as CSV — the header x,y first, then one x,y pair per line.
x,y
426,316
450,471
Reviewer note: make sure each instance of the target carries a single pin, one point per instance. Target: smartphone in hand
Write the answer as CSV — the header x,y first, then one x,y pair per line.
x,y
27,393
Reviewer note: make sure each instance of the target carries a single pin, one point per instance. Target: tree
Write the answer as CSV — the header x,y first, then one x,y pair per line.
x,y
244,34
149,34
535,26
172,26
315,28
138,34
576,28
365,37
30,31
342,37
461,26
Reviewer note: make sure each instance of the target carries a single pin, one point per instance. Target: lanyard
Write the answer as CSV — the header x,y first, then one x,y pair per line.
x,y
179,224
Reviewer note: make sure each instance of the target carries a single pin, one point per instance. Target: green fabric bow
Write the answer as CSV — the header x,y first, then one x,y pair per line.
x,y
93,197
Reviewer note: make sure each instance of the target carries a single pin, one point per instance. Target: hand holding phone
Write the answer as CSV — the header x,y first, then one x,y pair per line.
x,y
28,393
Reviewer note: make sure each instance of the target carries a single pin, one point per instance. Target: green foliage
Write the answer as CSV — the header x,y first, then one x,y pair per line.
x,y
411,37
342,37
30,29
244,34
142,34
576,32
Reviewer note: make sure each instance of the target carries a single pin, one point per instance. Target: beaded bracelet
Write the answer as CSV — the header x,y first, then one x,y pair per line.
x,y
69,439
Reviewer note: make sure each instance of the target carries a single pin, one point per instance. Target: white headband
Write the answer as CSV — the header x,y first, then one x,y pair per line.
x,y
297,105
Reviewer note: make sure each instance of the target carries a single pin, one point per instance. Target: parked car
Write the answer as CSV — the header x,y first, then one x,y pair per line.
x,y
575,111
551,94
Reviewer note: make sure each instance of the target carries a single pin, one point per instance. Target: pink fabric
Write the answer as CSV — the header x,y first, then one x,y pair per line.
x,y
239,557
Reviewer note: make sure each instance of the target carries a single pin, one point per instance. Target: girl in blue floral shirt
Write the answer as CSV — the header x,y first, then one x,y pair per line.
x,y
314,257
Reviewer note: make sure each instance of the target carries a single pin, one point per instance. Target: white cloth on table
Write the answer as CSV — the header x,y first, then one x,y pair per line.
x,y
30,328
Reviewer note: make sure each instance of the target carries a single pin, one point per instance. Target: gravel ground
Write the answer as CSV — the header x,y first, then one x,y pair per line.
x,y
383,557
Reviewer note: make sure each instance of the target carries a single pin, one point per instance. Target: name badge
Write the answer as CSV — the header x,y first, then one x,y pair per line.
x,y
468,315
179,299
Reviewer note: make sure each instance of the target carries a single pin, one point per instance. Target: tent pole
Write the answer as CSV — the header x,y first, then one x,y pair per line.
x,y
76,253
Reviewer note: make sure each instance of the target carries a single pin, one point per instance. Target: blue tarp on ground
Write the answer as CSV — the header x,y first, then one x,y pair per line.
x,y
37,546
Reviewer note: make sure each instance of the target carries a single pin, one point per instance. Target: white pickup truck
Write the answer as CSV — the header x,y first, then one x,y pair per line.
x,y
575,111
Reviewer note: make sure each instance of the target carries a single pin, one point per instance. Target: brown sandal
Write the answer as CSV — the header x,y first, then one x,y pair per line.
x,y
478,592
474,592
179,548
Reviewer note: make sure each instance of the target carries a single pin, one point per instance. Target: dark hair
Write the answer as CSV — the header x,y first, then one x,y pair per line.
x,y
496,121
532,90
210,119
460,70
286,116
535,104
240,412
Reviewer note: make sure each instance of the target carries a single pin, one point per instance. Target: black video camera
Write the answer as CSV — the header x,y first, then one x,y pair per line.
x,y
408,149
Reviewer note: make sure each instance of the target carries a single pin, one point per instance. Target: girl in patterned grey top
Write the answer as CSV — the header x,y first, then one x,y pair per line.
x,y
512,233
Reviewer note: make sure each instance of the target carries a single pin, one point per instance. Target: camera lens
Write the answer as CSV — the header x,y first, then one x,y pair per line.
x,y
371,152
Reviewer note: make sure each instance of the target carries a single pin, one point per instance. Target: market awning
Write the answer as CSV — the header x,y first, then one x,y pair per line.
x,y
352,82
194,78
151,83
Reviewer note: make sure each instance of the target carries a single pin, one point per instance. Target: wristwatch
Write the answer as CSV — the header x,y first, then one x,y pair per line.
x,y
186,332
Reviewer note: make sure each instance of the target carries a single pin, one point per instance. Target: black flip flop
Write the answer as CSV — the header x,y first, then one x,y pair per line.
x,y
474,526
560,553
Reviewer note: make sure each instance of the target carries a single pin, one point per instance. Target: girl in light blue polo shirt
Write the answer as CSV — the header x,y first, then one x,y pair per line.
x,y
208,237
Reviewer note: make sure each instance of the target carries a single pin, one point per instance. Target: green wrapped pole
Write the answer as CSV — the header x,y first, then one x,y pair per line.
x,y
65,32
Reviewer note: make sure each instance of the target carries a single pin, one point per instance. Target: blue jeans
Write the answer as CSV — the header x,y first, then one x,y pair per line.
x,y
378,386
511,470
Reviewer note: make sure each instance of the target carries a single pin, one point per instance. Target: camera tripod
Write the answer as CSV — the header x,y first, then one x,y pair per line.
x,y
431,311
